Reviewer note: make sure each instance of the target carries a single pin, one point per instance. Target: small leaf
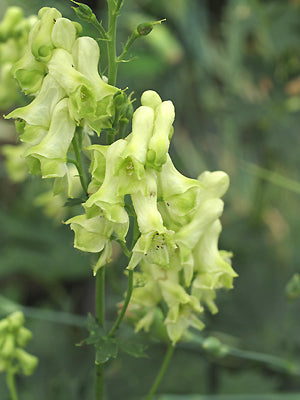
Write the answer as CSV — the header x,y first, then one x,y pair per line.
x,y
134,349
106,350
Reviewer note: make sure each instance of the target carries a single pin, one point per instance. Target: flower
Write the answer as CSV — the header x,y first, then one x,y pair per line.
x,y
107,198
160,140
131,163
156,242
50,155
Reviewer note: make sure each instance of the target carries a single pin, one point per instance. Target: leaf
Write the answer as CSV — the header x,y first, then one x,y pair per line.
x,y
106,349
136,350
96,332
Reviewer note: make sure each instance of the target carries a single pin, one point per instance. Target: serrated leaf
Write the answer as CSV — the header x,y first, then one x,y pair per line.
x,y
96,332
106,350
136,350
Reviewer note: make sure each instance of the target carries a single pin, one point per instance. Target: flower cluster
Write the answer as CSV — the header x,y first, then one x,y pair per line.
x,y
61,70
14,29
177,217
13,337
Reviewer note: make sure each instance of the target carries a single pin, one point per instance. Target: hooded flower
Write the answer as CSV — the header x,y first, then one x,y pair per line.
x,y
39,111
107,200
212,267
160,140
86,55
79,89
41,43
51,152
131,164
179,195
156,241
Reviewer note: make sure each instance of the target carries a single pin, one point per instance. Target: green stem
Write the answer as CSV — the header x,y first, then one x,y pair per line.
x,y
100,317
125,305
128,44
162,371
78,163
113,11
98,26
11,384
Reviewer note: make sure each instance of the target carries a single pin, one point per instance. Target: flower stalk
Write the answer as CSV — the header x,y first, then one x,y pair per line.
x,y
162,371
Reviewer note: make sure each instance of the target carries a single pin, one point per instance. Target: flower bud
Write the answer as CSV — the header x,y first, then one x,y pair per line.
x,y
23,336
40,35
119,99
8,346
132,161
151,99
28,362
83,11
292,289
160,139
144,29
213,345
16,320
12,17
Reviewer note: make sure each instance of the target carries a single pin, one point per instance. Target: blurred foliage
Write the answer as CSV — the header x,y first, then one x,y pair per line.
x,y
232,70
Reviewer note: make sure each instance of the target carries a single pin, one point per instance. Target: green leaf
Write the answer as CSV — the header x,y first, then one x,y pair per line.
x,y
134,349
106,349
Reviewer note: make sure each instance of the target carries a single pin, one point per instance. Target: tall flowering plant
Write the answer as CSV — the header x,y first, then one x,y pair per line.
x,y
128,184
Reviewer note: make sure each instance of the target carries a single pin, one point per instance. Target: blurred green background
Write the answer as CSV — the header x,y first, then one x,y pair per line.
x,y
232,69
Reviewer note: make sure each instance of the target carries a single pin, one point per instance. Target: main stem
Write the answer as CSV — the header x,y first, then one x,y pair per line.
x,y
111,42
78,164
100,316
162,371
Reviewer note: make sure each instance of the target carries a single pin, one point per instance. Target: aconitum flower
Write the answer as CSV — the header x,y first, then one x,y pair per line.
x,y
51,153
160,140
39,111
14,30
13,337
131,164
86,53
61,70
156,242
40,35
94,235
107,198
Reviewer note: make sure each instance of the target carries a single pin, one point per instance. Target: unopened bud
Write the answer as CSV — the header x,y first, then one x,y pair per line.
x,y
83,11
214,346
119,98
146,27
292,289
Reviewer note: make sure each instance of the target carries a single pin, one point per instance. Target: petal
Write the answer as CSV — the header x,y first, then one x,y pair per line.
x,y
63,34
151,99
40,110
